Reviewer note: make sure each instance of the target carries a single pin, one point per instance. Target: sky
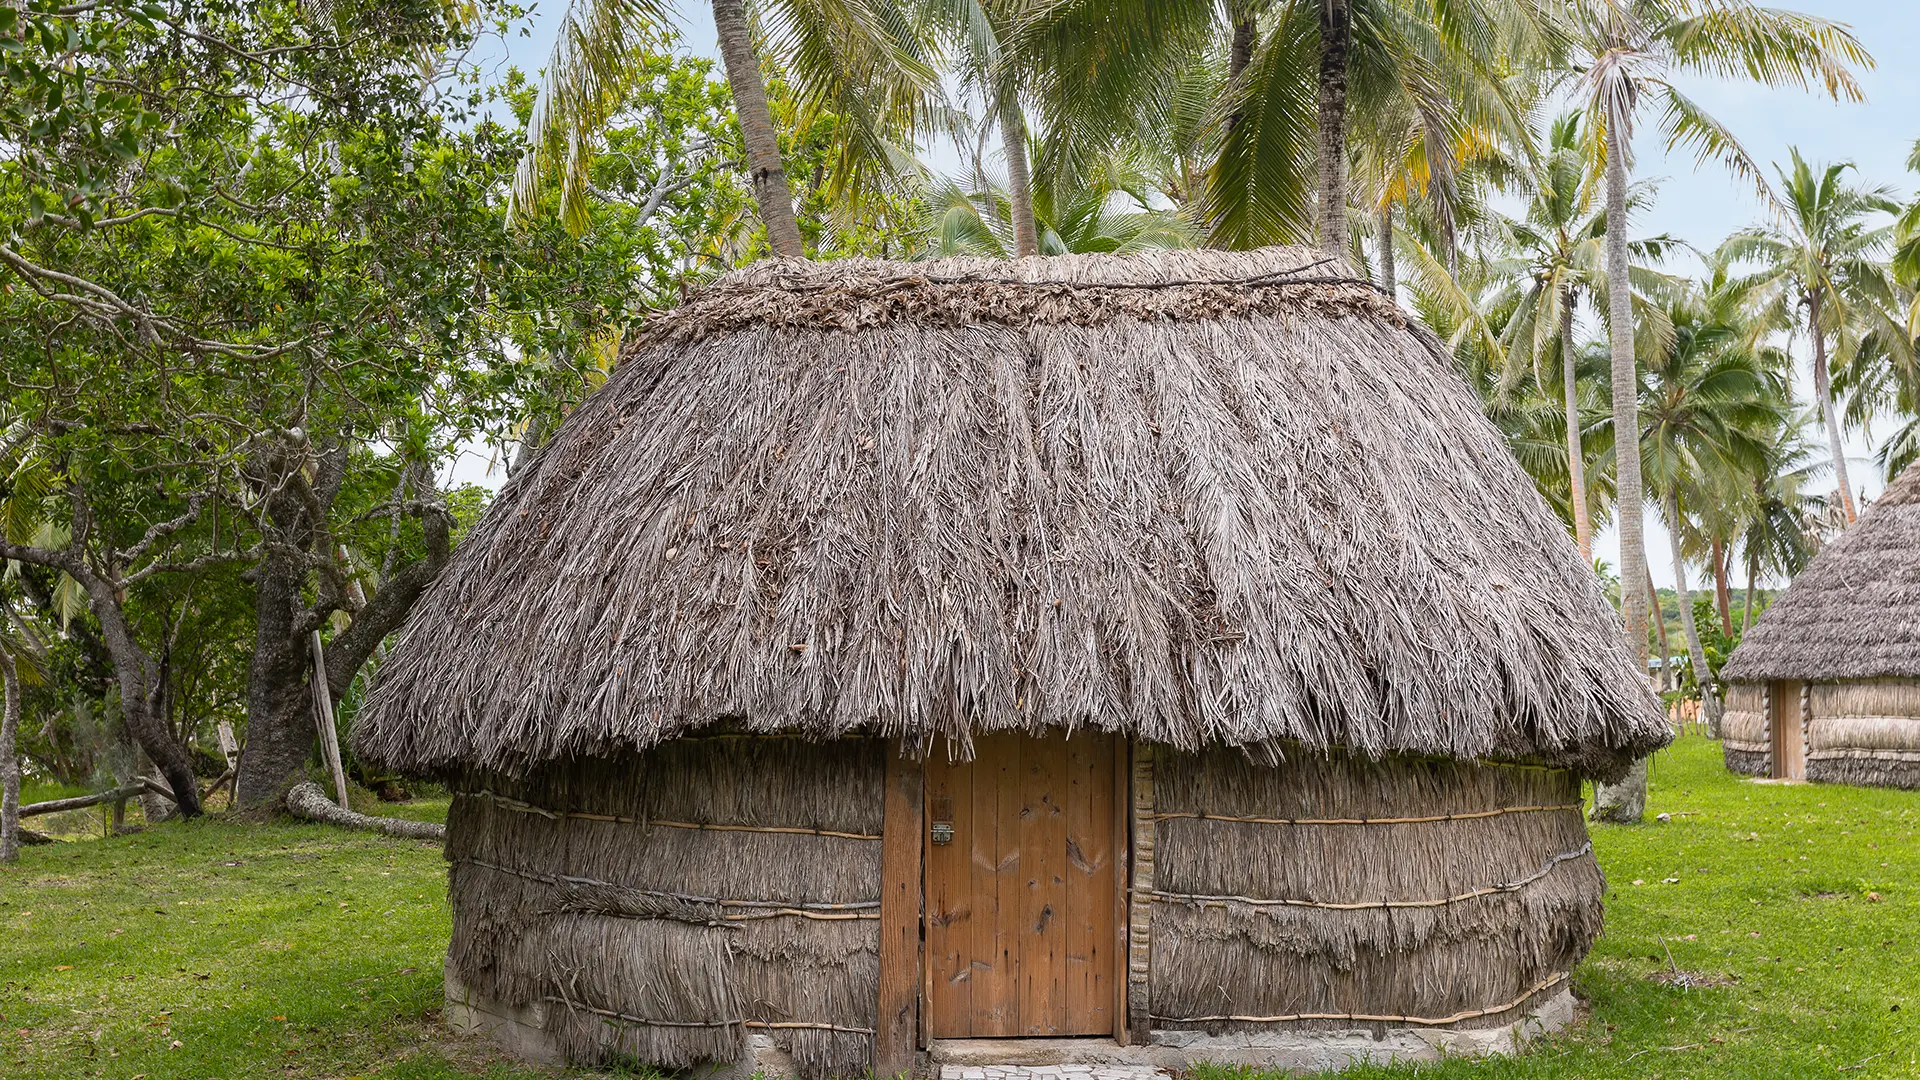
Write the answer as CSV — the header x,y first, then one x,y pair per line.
x,y
1698,204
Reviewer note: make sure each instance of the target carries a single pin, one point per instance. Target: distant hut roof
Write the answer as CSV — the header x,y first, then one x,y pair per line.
x,y
1854,612
1195,497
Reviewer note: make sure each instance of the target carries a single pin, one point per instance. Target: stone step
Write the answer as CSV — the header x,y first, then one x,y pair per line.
x,y
1052,1072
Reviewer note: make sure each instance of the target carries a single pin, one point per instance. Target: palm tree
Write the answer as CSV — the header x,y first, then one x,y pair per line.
x,y
1779,531
1297,77
1709,407
862,59
1624,53
1826,262
1524,317
1559,245
1067,214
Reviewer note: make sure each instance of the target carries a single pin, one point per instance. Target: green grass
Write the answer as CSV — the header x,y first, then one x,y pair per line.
x,y
33,791
283,950
221,950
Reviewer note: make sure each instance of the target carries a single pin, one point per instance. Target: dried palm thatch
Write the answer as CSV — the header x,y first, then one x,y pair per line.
x,y
1864,732
1193,497
1744,732
1467,915
1854,612
662,904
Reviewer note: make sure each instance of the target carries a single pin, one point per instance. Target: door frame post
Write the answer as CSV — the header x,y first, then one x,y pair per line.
x,y
897,1019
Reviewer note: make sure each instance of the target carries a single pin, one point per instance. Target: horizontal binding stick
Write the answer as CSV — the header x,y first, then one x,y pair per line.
x,y
860,909
1465,815
649,1022
1204,900
1374,1018
518,806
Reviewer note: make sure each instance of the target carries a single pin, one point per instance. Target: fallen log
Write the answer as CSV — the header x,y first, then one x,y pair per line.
x,y
54,806
306,800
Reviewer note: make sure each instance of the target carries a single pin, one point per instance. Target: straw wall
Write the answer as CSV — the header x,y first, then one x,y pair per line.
x,y
1465,918
1743,729
1865,732
591,886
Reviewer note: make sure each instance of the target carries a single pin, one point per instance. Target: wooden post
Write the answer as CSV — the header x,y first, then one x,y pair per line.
x,y
901,886
1122,869
323,719
1140,921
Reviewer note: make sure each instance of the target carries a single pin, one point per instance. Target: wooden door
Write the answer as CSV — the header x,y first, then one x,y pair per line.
x,y
1787,736
1020,892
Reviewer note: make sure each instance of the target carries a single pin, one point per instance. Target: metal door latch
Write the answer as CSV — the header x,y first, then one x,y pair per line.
x,y
943,832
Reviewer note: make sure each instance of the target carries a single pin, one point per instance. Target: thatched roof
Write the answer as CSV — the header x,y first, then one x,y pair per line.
x,y
1194,497
1854,612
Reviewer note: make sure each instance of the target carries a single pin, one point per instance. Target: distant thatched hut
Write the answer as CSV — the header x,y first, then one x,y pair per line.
x,y
1826,686
1172,631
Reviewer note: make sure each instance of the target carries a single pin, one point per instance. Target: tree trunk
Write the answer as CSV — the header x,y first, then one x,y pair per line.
x,y
1702,672
1389,274
764,169
9,760
1722,595
1624,803
1241,52
280,694
1576,455
1823,390
1746,614
1239,55
306,800
1629,491
1336,45
280,727
135,671
1658,614
1013,138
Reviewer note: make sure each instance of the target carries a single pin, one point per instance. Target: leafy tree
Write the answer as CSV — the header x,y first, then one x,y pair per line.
x,y
249,344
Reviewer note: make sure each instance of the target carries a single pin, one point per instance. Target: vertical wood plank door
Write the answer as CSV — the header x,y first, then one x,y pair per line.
x,y
1789,738
1020,864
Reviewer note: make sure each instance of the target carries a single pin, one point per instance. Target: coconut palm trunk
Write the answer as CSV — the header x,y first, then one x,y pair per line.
x,y
1702,673
1722,594
1336,46
1013,135
762,144
1626,407
1658,616
1576,455
9,760
1823,389
1389,275
1626,801
1746,613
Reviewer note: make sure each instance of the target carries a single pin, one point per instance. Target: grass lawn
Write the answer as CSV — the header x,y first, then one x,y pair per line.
x,y
215,950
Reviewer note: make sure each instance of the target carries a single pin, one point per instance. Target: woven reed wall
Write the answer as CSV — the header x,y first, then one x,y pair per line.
x,y
1866,732
1743,730
1469,920
663,943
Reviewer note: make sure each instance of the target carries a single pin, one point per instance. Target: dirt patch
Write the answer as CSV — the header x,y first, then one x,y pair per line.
x,y
1692,980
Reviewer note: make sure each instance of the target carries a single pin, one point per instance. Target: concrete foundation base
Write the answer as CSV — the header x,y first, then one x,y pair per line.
x,y
521,1031
1293,1051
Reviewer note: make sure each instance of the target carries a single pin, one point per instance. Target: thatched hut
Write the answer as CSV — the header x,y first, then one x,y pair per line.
x,y
1157,649
1826,686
